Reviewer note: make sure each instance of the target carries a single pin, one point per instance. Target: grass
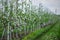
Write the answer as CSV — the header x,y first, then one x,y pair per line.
x,y
33,35
53,34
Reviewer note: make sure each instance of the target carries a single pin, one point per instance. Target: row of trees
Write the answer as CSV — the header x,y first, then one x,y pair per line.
x,y
20,17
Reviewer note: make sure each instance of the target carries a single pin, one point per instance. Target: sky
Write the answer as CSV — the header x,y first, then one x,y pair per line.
x,y
51,4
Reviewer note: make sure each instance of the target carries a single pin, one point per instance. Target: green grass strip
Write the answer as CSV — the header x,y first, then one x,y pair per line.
x,y
53,34
35,34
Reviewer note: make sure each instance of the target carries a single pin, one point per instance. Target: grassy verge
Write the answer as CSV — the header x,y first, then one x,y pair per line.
x,y
53,34
35,34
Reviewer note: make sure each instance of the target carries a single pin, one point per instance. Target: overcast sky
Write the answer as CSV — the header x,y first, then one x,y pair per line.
x,y
51,4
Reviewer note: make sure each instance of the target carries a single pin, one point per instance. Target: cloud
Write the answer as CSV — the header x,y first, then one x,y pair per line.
x,y
51,4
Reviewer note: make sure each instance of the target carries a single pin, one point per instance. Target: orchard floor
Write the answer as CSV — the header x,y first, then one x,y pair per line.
x,y
52,34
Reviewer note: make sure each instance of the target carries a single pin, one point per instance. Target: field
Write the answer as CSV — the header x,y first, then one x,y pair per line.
x,y
24,21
